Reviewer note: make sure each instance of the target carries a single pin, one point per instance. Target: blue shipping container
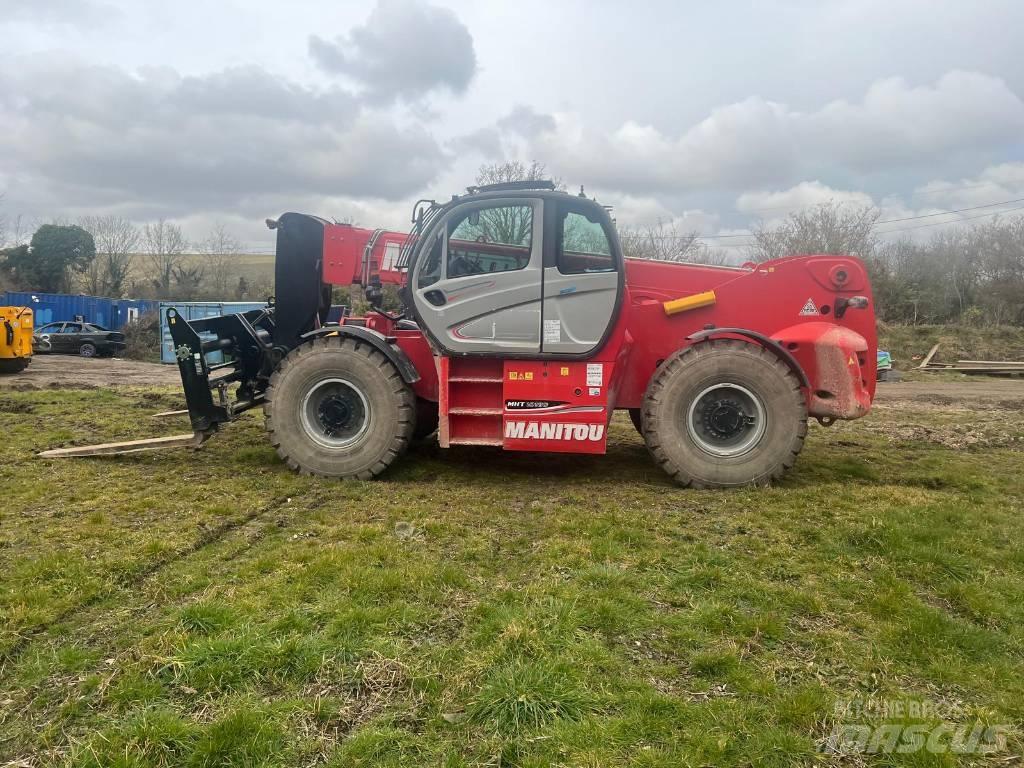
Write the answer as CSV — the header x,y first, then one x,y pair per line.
x,y
197,310
60,307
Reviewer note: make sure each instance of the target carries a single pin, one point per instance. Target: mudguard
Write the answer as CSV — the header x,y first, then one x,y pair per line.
x,y
378,340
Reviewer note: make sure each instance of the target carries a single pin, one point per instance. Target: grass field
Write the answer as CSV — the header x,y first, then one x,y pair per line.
x,y
478,608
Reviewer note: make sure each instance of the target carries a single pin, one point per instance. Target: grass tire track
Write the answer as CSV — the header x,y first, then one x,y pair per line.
x,y
207,538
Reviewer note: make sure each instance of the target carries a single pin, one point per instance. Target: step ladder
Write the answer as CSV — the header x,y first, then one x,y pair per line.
x,y
471,401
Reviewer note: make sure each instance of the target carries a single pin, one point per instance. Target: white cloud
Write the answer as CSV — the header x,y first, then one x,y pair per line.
x,y
757,143
774,205
83,137
1004,181
406,49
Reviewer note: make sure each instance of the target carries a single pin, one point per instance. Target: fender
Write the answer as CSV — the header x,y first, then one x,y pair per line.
x,y
376,339
783,354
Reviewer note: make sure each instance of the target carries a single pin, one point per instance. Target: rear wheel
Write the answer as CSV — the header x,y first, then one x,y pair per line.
x,y
723,414
88,349
637,419
339,408
426,419
14,364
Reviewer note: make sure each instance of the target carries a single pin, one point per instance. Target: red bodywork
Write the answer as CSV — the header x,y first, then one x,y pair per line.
x,y
554,405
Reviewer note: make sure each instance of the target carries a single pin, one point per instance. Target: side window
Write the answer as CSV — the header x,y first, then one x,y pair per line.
x,y
390,259
431,271
583,246
494,239
72,328
51,328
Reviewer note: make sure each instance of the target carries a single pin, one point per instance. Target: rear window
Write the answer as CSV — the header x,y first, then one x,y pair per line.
x,y
583,246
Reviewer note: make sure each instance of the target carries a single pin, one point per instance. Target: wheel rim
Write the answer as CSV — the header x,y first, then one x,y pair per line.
x,y
88,350
335,413
726,420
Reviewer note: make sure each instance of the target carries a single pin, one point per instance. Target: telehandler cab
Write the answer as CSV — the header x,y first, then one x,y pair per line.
x,y
525,328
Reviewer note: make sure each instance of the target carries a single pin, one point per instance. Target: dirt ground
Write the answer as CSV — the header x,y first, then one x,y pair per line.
x,y
71,372
946,391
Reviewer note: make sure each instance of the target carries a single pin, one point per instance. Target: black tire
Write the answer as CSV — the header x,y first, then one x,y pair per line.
x,y
337,407
723,414
636,416
14,364
88,349
426,419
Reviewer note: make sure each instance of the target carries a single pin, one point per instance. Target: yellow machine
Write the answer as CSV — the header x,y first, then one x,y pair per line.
x,y
15,339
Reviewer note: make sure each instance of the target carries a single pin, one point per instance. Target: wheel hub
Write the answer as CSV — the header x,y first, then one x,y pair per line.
x,y
726,420
335,413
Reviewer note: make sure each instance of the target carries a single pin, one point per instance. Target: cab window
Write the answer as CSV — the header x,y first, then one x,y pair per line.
x,y
583,246
497,238
430,273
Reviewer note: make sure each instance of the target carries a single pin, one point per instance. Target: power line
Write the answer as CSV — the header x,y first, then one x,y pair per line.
x,y
926,193
900,229
946,213
886,221
957,221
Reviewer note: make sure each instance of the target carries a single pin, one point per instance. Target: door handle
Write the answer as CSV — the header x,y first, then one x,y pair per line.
x,y
435,297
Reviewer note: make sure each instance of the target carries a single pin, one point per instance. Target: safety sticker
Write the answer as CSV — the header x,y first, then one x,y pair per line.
x,y
595,374
565,370
552,331
809,309
595,391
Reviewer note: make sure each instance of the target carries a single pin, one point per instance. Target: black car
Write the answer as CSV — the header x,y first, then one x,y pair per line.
x,y
85,339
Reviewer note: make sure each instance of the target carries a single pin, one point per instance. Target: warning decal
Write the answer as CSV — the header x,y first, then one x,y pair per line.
x,y
809,309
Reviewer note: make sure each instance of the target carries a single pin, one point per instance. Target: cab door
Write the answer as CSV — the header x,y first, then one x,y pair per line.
x,y
477,286
582,277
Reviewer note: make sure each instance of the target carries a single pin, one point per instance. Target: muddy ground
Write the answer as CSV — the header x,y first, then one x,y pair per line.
x,y
70,372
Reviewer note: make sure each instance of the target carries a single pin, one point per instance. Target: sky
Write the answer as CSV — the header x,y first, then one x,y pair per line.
x,y
707,117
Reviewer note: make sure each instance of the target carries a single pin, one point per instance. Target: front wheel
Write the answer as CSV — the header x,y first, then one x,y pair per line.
x,y
723,414
336,407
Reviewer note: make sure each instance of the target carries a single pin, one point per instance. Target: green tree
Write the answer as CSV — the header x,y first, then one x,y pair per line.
x,y
53,254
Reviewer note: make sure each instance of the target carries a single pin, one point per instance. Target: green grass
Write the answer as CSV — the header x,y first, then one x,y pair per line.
x,y
213,609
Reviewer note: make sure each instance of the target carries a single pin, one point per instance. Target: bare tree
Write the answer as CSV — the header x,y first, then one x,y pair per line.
x,y
165,250
188,279
221,250
514,170
116,241
513,223
664,242
14,231
826,228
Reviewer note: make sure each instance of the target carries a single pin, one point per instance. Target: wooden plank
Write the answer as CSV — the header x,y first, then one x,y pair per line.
x,y
928,357
165,414
971,369
996,363
130,446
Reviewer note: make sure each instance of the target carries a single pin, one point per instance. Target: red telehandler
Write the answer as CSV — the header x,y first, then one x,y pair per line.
x,y
525,328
